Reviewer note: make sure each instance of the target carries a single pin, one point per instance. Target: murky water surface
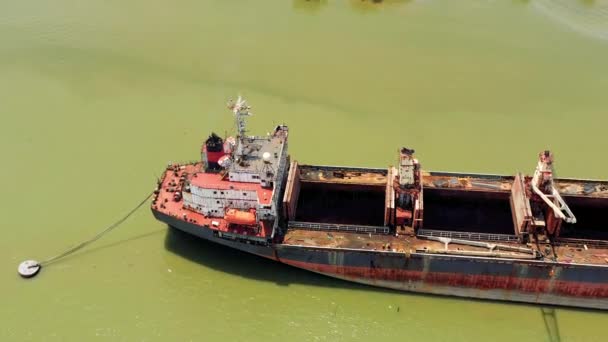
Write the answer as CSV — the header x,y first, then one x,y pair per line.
x,y
97,96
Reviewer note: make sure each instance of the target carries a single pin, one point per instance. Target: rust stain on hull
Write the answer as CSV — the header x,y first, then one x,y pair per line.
x,y
479,282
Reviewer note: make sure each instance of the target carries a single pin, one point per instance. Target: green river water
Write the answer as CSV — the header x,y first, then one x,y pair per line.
x,y
97,96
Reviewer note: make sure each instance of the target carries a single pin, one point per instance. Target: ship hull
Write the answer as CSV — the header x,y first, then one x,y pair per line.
x,y
208,234
525,281
506,280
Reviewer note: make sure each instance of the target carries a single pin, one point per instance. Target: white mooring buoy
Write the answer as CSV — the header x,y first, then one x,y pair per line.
x,y
28,268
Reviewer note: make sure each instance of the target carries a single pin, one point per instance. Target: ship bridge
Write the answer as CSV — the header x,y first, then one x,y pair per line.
x,y
236,188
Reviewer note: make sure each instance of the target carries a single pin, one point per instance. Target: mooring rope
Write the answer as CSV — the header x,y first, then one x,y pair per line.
x,y
94,238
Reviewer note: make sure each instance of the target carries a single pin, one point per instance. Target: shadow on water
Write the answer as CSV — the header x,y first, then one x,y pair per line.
x,y
550,320
236,262
107,246
225,259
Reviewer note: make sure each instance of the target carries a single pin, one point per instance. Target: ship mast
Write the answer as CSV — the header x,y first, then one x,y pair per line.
x,y
240,110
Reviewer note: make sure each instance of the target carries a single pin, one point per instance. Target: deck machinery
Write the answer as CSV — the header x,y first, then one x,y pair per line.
x,y
512,238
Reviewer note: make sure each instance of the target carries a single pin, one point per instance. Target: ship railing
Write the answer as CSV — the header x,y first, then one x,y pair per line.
x,y
338,227
468,235
240,237
581,242
345,168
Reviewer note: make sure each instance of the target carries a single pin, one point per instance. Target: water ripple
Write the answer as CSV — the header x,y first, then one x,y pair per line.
x,y
589,18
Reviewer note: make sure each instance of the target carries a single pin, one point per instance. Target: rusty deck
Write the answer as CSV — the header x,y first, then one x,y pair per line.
x,y
479,189
409,243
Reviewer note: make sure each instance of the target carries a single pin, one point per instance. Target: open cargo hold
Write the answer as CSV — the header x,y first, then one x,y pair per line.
x,y
341,204
467,211
336,198
472,206
591,219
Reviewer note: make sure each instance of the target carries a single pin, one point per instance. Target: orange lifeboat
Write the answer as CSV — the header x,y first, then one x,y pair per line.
x,y
241,217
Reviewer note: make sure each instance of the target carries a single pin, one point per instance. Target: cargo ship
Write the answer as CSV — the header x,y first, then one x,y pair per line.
x,y
533,239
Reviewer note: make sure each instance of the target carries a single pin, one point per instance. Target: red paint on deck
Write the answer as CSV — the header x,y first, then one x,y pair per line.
x,y
481,282
216,181
165,204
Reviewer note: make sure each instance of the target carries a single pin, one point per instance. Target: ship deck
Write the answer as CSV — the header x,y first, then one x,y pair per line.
x,y
341,175
457,205
165,203
407,242
472,208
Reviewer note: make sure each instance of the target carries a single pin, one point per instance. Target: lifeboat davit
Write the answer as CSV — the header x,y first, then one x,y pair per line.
x,y
241,217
